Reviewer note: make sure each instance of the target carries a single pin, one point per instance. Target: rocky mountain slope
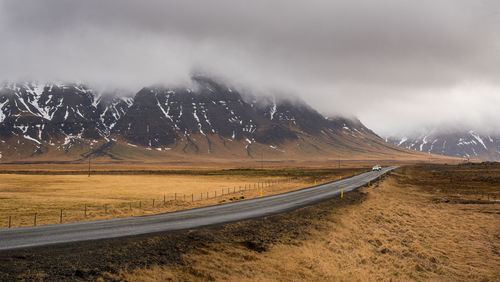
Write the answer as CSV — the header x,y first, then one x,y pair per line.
x,y
73,121
465,144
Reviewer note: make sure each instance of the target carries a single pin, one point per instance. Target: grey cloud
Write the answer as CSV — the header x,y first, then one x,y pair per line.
x,y
393,63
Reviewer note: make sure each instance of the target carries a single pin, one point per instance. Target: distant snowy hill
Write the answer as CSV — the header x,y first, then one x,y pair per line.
x,y
73,121
466,144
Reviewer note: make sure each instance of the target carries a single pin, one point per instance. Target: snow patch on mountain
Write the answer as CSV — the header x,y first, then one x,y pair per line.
x,y
400,142
478,138
32,139
2,114
273,110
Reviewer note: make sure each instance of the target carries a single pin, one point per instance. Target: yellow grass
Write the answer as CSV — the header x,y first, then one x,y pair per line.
x,y
396,234
111,196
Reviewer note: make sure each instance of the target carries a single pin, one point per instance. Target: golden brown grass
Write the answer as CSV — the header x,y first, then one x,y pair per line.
x,y
104,165
112,196
398,233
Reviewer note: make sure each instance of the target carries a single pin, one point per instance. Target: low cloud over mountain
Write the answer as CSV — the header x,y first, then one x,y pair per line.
x,y
397,65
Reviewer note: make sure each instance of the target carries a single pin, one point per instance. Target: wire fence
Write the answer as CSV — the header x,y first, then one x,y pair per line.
x,y
166,202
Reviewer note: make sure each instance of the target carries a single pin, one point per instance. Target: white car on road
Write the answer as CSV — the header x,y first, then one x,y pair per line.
x,y
377,168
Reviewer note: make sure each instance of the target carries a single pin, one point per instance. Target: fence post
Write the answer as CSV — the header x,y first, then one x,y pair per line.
x,y
184,197
85,210
192,197
10,220
105,208
207,194
60,217
153,203
163,199
34,222
215,193
140,204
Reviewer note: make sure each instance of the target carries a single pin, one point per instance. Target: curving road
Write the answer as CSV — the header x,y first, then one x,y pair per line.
x,y
92,230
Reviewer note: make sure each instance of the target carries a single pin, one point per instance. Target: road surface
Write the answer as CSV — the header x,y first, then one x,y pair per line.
x,y
26,237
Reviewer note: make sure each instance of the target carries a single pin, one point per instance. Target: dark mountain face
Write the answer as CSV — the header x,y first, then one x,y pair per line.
x,y
60,117
212,109
468,144
111,107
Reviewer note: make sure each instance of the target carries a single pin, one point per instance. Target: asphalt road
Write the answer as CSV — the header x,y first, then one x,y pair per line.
x,y
26,237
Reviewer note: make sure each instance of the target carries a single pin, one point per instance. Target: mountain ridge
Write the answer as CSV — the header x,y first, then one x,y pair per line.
x,y
466,144
73,121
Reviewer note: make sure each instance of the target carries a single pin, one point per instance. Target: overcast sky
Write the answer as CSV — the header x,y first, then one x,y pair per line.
x,y
398,65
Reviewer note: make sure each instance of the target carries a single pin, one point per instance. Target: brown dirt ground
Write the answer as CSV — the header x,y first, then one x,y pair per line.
x,y
394,230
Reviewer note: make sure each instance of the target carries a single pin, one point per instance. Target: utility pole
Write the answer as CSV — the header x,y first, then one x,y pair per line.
x,y
90,153
89,165
261,160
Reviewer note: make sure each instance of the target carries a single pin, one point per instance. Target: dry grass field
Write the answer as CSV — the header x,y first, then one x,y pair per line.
x,y
132,193
104,166
428,222
397,231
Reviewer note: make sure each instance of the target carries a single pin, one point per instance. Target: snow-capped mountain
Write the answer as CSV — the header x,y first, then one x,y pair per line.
x,y
73,121
467,144
57,112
